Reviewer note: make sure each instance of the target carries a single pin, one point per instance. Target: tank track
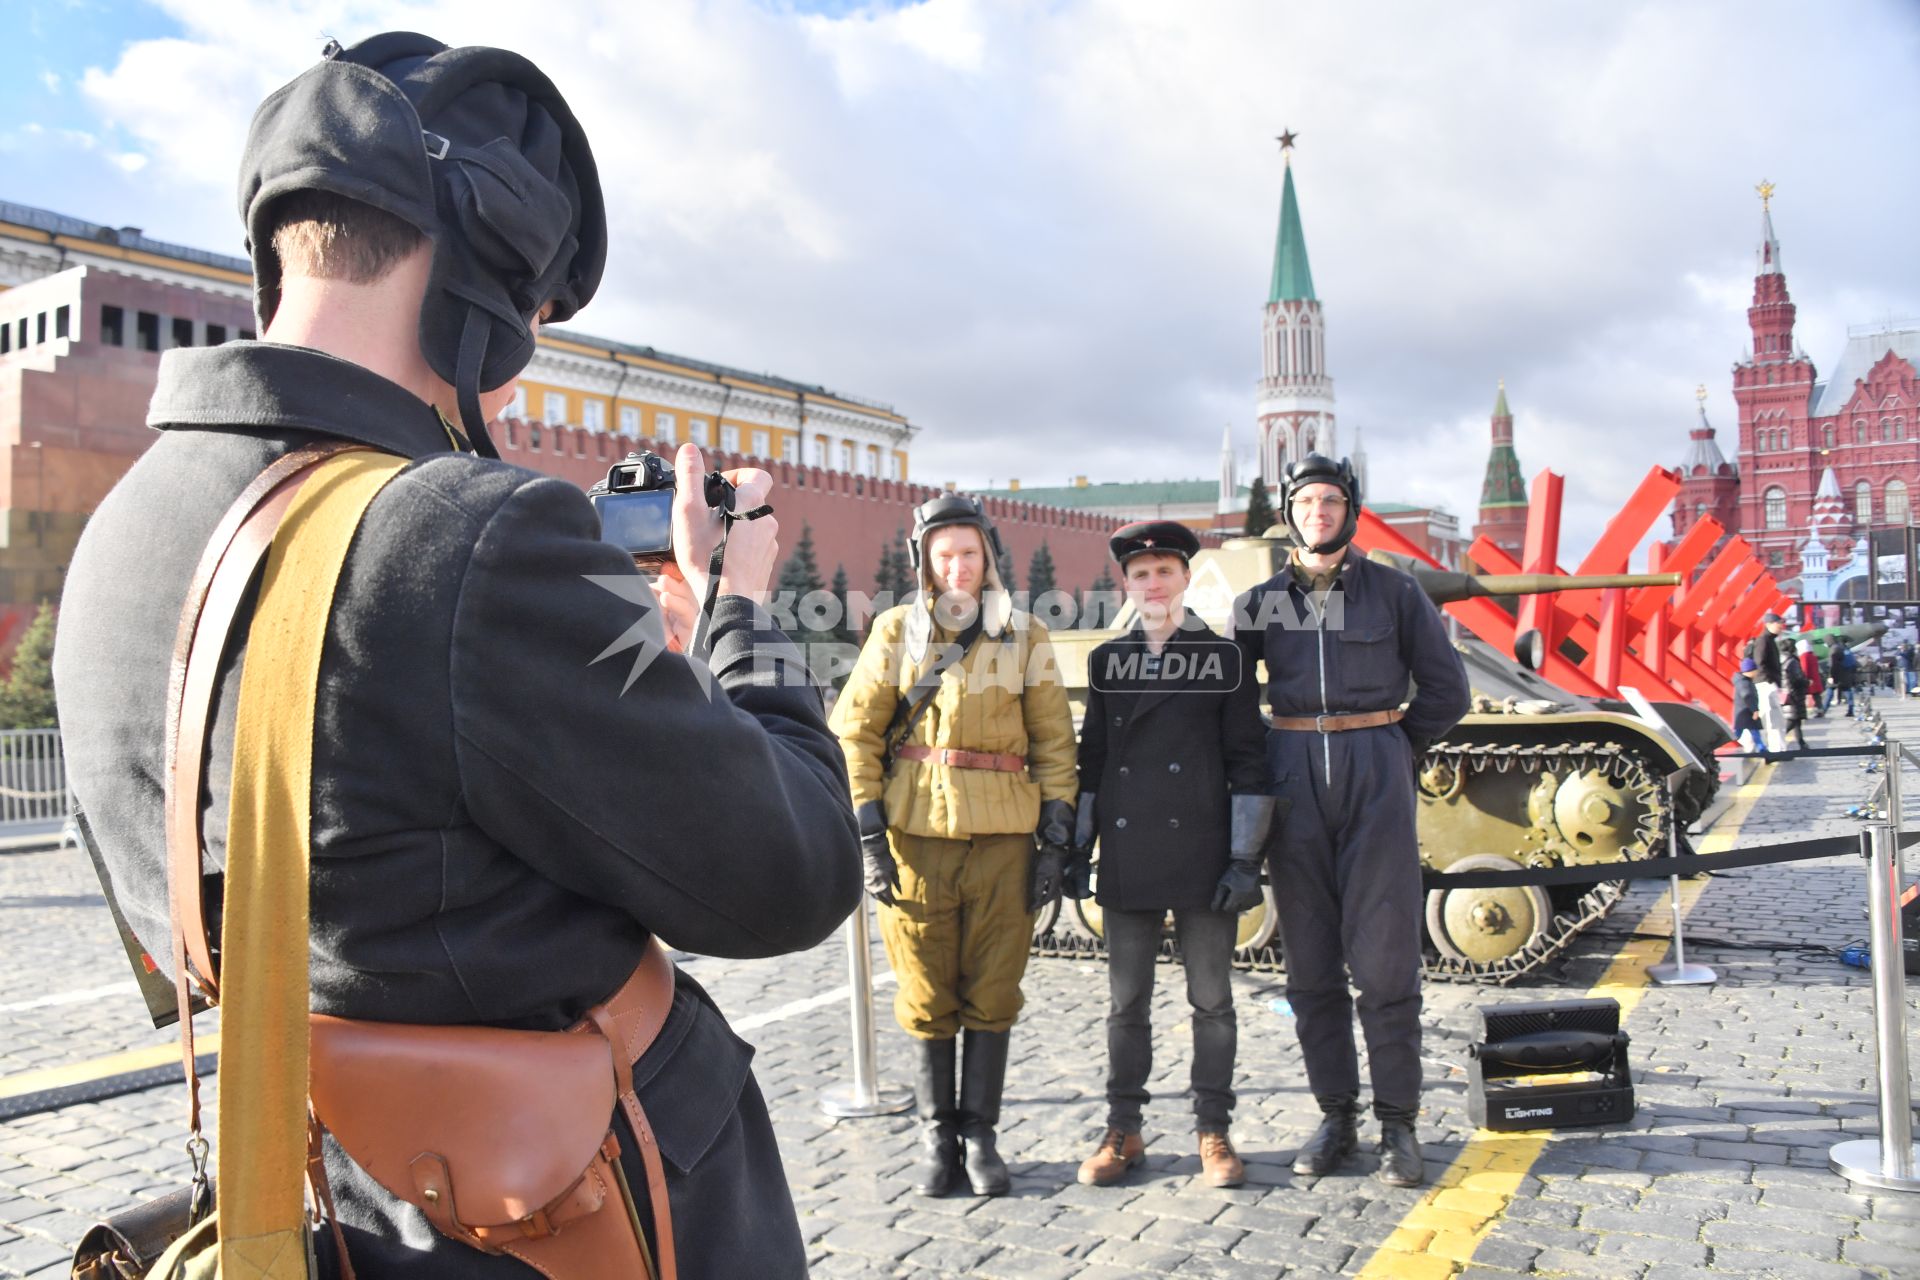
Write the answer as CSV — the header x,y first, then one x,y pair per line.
x,y
1625,766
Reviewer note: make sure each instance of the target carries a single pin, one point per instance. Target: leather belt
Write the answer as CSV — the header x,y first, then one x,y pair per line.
x,y
999,763
1339,723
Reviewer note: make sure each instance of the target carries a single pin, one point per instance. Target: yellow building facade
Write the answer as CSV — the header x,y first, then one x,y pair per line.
x,y
575,379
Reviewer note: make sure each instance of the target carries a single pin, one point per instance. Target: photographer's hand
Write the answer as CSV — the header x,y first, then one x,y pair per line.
x,y
679,607
753,546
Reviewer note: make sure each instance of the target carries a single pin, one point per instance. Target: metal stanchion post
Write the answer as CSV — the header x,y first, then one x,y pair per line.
x,y
1892,769
1889,1161
1678,973
863,1097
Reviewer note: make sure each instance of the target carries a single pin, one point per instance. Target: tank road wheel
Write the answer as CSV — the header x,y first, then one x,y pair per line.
x,y
1258,924
1045,919
1087,911
1486,926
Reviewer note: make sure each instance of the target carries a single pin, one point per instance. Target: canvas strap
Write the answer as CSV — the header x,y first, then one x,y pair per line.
x,y
262,1156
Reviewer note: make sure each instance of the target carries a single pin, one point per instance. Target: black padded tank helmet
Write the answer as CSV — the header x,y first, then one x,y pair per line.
x,y
476,148
949,509
1318,469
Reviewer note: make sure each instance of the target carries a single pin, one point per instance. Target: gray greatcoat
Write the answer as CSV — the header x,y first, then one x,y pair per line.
x,y
497,825
1164,753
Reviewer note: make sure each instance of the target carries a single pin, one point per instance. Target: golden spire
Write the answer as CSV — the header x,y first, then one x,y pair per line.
x,y
1765,188
1700,393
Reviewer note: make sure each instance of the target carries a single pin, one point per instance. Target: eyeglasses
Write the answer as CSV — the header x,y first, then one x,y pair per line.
x,y
1334,503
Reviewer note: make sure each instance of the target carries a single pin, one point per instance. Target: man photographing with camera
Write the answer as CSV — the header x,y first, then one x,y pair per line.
x,y
517,788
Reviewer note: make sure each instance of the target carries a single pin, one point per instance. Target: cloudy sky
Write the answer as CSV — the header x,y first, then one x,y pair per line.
x,y
1044,229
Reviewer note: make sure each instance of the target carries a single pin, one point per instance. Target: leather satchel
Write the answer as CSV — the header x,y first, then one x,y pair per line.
x,y
501,1138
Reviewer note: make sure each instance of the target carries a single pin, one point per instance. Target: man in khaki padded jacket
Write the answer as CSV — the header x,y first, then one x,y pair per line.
x,y
964,781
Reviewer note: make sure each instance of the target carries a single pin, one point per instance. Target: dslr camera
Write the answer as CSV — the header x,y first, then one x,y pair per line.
x,y
635,506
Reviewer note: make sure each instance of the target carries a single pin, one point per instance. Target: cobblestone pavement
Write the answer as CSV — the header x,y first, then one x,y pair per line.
x,y
1742,1087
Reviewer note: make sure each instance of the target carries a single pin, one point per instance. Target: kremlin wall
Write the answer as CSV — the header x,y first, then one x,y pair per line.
x,y
86,311
853,517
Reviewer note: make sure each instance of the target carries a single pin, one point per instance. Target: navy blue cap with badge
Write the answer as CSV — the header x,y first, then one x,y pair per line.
x,y
1157,537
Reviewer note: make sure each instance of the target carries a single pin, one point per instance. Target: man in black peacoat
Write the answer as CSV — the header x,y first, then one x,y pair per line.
x,y
1174,782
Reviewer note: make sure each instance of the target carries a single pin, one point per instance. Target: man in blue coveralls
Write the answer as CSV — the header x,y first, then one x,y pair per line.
x,y
1346,641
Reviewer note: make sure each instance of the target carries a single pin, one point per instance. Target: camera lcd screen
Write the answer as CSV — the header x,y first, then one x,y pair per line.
x,y
639,523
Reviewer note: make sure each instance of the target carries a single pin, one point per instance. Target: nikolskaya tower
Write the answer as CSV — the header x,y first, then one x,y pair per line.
x,y
1296,395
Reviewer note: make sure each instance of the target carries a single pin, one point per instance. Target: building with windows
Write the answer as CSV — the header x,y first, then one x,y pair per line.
x,y
1860,423
1709,484
86,311
578,380
1194,503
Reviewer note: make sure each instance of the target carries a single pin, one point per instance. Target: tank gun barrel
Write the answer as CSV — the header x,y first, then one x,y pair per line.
x,y
1460,586
1443,586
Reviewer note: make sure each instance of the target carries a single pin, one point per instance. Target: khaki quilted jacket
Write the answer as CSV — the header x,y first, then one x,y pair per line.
x,y
1005,697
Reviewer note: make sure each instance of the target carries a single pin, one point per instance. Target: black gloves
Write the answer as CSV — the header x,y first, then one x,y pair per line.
x,y
883,873
1239,887
1052,848
1086,829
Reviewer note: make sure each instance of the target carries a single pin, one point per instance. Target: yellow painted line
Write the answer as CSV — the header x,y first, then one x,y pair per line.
x,y
113,1064
1437,1237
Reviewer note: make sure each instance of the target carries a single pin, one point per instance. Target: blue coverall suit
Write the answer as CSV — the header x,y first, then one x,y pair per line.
x,y
1346,865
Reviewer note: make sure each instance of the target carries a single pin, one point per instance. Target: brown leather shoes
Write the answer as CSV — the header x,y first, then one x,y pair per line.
x,y
1118,1153
1219,1166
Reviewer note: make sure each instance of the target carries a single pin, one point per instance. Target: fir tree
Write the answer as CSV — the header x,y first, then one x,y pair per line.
x,y
1101,601
1039,575
801,573
845,631
1260,516
26,700
802,592
895,577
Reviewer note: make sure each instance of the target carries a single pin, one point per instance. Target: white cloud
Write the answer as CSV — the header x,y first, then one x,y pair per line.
x,y
895,47
1044,229
50,81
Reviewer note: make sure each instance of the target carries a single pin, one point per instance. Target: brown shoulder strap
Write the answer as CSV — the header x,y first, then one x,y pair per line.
x,y
233,554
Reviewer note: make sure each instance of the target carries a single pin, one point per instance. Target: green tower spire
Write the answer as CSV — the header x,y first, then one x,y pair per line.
x,y
1292,279
1504,486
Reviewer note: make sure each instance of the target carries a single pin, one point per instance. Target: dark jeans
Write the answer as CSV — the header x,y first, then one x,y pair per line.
x,y
1206,949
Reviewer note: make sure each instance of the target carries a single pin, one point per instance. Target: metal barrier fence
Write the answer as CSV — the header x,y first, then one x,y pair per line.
x,y
34,799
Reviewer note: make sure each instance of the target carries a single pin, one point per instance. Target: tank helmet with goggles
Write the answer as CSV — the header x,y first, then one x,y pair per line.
x,y
475,148
1318,469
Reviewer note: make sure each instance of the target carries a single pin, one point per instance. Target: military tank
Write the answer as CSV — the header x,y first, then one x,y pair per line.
x,y
1533,776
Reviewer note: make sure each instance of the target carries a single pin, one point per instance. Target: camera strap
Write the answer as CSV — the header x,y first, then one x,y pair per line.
x,y
720,494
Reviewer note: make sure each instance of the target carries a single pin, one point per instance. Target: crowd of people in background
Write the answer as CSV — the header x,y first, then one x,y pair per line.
x,y
1790,677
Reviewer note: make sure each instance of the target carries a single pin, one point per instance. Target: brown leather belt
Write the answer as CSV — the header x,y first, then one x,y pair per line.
x,y
1339,723
965,759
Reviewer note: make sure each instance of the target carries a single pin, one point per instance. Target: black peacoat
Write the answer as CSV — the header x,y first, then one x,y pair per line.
x,y
1164,750
507,799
